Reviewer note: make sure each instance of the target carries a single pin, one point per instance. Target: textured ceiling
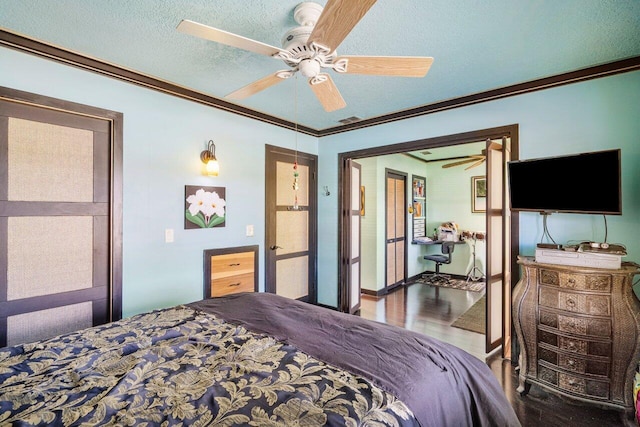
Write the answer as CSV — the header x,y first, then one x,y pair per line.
x,y
477,45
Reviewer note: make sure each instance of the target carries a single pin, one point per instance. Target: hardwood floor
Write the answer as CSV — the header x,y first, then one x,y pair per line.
x,y
431,310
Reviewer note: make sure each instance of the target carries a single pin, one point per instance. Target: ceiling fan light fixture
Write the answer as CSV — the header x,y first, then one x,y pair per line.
x,y
309,67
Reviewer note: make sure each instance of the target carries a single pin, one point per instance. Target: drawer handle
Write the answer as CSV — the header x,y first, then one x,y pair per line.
x,y
235,284
571,303
235,264
571,281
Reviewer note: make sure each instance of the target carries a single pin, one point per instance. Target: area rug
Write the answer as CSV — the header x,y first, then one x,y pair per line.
x,y
457,284
474,318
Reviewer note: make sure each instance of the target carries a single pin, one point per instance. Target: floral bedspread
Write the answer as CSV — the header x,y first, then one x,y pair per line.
x,y
180,366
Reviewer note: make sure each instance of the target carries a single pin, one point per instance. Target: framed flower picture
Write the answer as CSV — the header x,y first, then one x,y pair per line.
x,y
205,207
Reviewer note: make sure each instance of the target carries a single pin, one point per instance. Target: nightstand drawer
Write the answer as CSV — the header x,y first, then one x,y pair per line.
x,y
592,304
230,270
232,284
231,264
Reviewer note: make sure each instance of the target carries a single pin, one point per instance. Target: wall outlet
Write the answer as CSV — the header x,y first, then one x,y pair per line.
x,y
168,235
249,230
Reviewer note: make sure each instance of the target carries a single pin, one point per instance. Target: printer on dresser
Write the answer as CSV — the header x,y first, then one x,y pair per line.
x,y
579,331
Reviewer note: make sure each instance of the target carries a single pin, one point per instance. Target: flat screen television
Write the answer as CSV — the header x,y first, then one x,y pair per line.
x,y
586,183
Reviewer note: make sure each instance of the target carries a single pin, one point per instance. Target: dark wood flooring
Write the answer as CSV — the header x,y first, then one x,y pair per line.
x,y
431,310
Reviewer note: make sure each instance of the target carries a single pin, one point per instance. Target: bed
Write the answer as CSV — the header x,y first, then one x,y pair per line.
x,y
247,359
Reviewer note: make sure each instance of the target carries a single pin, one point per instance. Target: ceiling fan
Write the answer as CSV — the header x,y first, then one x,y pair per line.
x,y
475,159
311,47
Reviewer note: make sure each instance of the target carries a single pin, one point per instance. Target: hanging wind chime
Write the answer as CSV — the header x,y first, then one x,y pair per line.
x,y
296,185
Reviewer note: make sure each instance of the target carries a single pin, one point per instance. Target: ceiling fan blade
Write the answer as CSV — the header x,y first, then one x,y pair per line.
x,y
494,146
461,162
478,163
327,92
401,66
203,31
337,20
255,87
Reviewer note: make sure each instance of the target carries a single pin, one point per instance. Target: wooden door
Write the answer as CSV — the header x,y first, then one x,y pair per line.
x,y
291,224
395,242
60,217
498,290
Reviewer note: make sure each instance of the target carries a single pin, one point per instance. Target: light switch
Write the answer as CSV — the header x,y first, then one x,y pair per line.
x,y
249,230
168,235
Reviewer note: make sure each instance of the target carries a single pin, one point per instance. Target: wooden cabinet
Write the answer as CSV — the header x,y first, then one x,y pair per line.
x,y
230,270
578,330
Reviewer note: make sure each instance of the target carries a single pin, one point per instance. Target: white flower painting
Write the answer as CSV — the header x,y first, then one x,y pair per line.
x,y
205,207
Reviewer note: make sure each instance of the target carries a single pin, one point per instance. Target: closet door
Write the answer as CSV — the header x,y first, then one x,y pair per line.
x,y
395,227
59,239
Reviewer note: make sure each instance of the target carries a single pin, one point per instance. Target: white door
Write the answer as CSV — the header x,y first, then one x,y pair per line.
x,y
354,267
498,225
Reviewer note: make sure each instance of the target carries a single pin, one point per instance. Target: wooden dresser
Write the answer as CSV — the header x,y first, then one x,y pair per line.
x,y
578,330
230,270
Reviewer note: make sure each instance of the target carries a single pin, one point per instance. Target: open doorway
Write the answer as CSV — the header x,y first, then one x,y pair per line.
x,y
502,230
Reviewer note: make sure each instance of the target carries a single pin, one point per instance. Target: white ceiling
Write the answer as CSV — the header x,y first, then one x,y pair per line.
x,y
477,45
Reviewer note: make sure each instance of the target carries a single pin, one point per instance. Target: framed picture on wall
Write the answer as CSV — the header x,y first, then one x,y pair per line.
x,y
204,207
478,194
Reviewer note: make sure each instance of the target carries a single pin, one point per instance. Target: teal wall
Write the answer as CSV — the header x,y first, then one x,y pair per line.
x,y
593,115
164,135
163,138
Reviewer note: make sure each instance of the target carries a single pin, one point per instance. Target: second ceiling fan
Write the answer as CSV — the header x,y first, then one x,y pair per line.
x,y
311,47
474,159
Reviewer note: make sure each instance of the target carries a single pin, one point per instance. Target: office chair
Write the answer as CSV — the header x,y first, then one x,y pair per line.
x,y
445,258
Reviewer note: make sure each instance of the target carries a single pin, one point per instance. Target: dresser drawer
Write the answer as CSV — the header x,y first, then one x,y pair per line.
x,y
580,282
576,384
574,363
232,284
575,345
593,304
596,327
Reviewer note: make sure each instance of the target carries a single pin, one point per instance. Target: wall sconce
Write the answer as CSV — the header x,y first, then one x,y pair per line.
x,y
208,157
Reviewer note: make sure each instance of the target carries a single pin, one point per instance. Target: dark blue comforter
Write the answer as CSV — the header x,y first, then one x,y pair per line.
x,y
247,359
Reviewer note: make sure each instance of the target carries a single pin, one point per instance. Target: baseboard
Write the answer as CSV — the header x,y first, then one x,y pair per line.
x,y
327,306
382,292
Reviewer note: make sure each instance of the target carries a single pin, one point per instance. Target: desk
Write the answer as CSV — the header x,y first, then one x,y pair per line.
x,y
474,272
435,242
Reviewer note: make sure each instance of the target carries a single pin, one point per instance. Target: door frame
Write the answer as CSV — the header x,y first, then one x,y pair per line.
x,y
510,131
272,153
